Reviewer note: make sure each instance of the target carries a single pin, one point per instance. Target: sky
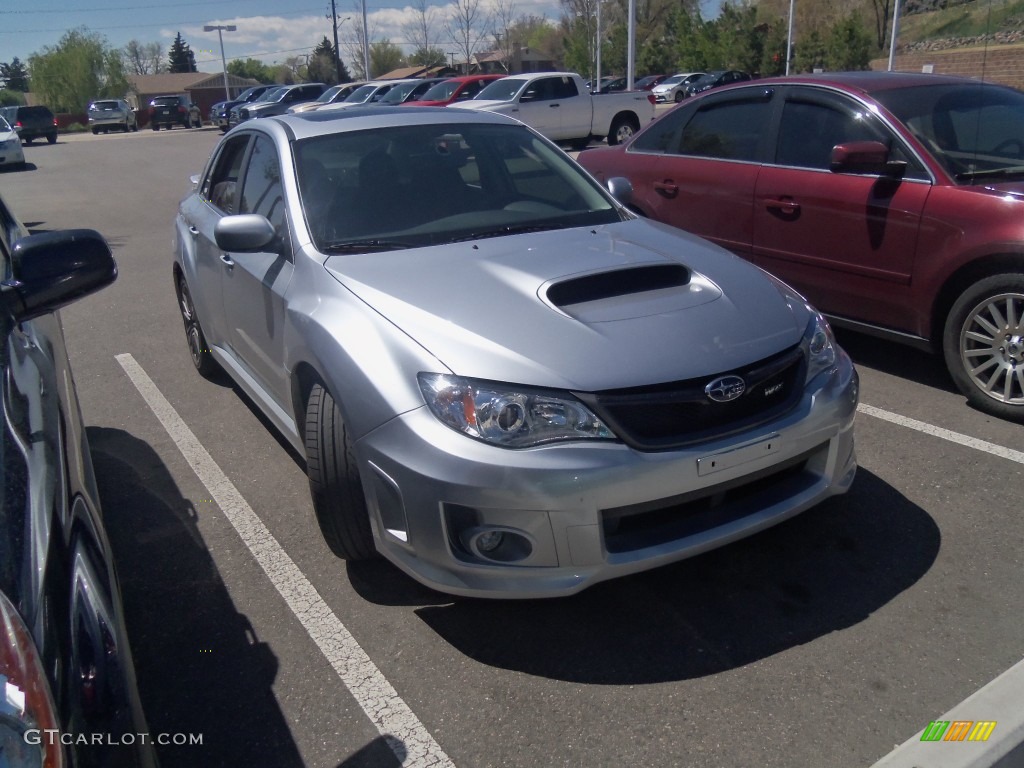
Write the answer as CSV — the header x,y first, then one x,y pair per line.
x,y
269,30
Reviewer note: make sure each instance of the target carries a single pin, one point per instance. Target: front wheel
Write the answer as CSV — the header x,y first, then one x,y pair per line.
x,y
334,481
202,357
623,128
983,344
678,97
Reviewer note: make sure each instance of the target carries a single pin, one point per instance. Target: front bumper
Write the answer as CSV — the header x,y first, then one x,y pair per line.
x,y
576,514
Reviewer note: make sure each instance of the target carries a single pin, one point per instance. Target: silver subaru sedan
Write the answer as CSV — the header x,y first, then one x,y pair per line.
x,y
502,380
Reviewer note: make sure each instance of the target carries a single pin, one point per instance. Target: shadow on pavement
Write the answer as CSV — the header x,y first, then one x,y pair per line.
x,y
897,359
201,668
822,571
382,752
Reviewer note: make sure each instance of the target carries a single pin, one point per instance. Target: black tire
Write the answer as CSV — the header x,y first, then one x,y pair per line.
x,y
984,351
95,131
156,127
135,126
678,96
126,127
198,350
334,482
27,141
622,129
51,138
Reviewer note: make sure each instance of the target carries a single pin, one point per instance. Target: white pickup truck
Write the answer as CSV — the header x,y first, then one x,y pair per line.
x,y
559,106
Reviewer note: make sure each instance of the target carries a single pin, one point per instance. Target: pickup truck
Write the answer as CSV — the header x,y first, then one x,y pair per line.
x,y
559,106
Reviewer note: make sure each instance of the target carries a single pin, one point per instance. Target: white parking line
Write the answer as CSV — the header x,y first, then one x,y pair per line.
x,y
945,434
378,699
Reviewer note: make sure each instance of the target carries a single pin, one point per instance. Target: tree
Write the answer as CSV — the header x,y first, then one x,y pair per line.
x,y
251,68
384,57
465,27
848,46
421,34
506,44
180,57
9,98
15,75
144,58
428,57
81,67
321,67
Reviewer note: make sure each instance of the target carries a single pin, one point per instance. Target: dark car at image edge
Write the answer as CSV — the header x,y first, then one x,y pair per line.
x,y
32,123
893,201
70,694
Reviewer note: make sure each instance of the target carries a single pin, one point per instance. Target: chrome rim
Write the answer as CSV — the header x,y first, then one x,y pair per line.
x,y
624,133
195,346
992,347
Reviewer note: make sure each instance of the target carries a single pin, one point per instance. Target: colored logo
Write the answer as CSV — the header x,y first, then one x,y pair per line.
x,y
725,388
958,730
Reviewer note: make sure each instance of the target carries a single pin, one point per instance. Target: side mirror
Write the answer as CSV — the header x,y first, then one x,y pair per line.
x,y
246,232
53,269
865,157
621,189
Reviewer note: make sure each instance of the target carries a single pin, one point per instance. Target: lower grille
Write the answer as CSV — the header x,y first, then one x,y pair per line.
x,y
676,414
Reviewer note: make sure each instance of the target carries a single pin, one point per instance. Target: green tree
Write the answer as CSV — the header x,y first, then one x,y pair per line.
x,y
849,45
810,52
251,68
15,75
81,67
428,57
180,57
9,98
321,67
384,57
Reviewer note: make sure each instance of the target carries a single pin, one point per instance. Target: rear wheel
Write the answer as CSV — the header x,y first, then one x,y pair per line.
x,y
334,480
623,128
95,131
51,138
202,358
156,127
983,344
678,97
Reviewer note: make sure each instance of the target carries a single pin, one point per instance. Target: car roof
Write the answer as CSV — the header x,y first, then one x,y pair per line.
x,y
306,125
872,82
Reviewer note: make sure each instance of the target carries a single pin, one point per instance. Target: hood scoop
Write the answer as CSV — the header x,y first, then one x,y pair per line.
x,y
622,294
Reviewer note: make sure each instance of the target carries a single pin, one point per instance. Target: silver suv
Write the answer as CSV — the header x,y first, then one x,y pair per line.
x,y
118,114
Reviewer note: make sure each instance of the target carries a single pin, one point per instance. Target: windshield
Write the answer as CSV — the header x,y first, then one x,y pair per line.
x,y
327,96
5,126
673,80
397,94
441,91
361,94
418,185
973,129
502,90
270,95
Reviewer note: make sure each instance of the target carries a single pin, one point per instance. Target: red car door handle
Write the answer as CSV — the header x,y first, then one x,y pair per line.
x,y
666,188
785,205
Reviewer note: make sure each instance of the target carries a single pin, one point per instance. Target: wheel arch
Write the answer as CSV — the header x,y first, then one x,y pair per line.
x,y
960,280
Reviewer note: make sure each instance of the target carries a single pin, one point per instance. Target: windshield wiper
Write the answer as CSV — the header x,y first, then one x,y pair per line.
x,y
369,244
510,229
992,173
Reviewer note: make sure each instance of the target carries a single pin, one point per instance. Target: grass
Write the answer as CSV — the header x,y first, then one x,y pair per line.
x,y
979,17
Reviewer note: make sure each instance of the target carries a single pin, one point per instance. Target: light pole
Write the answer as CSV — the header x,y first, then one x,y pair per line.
x,y
366,45
221,28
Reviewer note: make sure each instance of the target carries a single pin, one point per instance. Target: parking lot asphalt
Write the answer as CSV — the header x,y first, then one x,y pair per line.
x,y
826,641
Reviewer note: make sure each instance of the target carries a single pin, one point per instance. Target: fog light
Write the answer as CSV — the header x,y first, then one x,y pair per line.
x,y
489,541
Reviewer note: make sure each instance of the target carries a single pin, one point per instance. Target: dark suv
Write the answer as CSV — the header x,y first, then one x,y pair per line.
x,y
170,111
32,123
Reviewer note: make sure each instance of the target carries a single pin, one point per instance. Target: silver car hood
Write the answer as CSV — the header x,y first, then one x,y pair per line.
x,y
579,308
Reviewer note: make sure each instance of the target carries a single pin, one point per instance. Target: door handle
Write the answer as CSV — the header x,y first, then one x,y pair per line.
x,y
193,231
554,105
667,188
784,205
228,261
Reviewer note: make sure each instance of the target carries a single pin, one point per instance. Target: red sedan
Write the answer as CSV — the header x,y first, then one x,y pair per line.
x,y
894,202
455,89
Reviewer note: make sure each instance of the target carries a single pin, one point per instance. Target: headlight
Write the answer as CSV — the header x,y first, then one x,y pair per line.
x,y
821,345
507,416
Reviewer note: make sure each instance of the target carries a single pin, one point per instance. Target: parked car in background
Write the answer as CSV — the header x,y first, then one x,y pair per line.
x,y
408,93
332,95
648,83
268,95
894,202
65,663
559,106
609,84
32,123
280,100
715,80
501,380
105,114
220,112
11,153
453,89
673,89
368,93
176,109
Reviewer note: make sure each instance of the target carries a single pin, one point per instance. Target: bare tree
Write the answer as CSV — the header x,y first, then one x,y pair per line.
x,y
506,42
354,44
421,32
144,58
466,26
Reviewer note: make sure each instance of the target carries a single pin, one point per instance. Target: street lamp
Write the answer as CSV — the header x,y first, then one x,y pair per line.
x,y
220,30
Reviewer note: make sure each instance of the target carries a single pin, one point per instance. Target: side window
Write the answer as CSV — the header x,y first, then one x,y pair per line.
x,y
471,90
541,90
663,134
728,130
221,186
810,129
565,88
262,192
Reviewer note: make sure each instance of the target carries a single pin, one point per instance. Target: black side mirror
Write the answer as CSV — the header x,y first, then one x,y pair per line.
x,y
53,269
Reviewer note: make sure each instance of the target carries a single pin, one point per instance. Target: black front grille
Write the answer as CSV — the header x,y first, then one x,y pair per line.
x,y
680,413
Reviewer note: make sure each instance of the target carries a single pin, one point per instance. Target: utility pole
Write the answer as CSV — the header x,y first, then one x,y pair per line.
x,y
223,61
337,53
366,44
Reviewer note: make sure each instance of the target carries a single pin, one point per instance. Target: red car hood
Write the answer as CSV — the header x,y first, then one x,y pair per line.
x,y
422,103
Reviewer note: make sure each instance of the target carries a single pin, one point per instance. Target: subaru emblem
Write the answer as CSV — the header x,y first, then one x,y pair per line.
x,y
725,388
